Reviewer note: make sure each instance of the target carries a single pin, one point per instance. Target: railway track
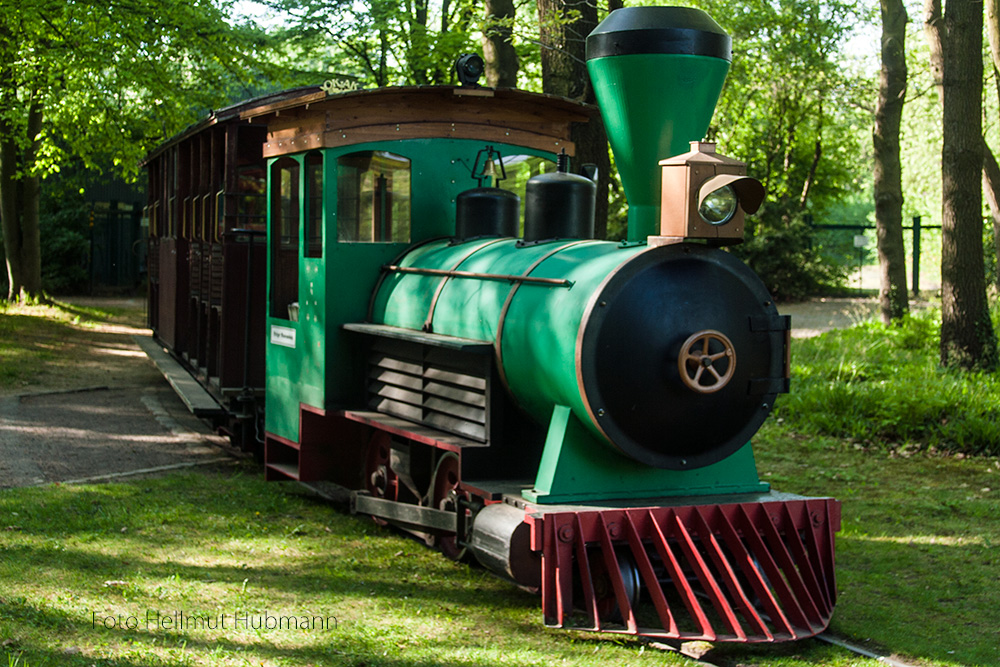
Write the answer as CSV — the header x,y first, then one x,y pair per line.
x,y
693,651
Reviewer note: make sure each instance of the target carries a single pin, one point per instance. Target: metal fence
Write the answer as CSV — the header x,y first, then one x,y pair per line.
x,y
916,228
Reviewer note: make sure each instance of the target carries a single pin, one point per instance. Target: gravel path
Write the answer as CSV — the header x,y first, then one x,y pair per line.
x,y
114,416
811,318
100,434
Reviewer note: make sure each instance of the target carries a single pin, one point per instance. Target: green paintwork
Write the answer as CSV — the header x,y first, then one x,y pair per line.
x,y
653,106
538,342
539,335
324,368
575,467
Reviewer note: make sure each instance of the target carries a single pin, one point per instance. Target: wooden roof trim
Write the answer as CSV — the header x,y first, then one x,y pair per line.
x,y
306,97
278,106
307,100
276,147
286,127
228,114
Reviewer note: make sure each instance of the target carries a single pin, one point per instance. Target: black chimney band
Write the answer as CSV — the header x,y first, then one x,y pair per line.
x,y
655,30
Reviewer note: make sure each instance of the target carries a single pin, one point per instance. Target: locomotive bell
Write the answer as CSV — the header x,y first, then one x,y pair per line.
x,y
487,211
705,196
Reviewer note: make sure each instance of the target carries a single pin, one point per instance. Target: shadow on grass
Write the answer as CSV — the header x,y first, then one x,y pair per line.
x,y
201,530
102,315
151,646
943,589
220,541
331,573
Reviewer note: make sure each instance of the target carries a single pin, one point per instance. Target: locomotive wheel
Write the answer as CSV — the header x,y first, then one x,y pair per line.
x,y
379,480
698,357
604,591
443,495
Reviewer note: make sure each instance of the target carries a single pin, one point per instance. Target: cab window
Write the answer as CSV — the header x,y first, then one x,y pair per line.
x,y
284,237
519,169
314,205
373,198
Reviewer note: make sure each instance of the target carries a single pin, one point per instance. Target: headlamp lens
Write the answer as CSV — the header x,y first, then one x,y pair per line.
x,y
719,206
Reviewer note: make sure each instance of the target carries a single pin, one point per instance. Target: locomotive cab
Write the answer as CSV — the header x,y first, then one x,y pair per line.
x,y
351,186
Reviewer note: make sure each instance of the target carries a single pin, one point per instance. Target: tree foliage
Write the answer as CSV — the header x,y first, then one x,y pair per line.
x,y
107,81
112,78
102,82
793,113
788,102
384,42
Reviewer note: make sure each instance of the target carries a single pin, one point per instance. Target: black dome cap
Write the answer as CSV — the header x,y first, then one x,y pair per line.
x,y
652,30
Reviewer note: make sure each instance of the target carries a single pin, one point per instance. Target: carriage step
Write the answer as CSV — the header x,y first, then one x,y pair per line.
x,y
195,397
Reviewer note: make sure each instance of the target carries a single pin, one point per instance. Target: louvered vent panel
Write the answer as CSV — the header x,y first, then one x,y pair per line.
x,y
435,387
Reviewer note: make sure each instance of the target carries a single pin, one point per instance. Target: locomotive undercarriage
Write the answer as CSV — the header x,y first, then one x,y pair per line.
x,y
747,567
752,568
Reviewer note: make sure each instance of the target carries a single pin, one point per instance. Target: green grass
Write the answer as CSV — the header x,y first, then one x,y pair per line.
x,y
916,568
917,555
231,544
27,342
41,343
916,562
882,386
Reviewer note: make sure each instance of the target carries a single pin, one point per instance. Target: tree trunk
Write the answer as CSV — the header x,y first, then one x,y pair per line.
x,y
498,51
31,242
19,199
564,73
991,181
383,42
9,211
888,169
967,337
811,174
991,185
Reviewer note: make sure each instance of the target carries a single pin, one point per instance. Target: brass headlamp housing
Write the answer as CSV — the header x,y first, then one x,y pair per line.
x,y
705,195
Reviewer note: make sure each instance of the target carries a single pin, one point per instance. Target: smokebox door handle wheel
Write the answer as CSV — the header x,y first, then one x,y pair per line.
x,y
698,359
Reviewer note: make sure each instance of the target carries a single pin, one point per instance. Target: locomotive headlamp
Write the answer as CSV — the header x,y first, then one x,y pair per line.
x,y
469,67
705,195
718,206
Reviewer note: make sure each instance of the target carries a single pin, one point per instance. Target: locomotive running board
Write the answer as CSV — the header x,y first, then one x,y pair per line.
x,y
760,571
409,516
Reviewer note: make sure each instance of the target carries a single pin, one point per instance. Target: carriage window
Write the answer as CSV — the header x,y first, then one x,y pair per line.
x,y
284,237
251,196
314,205
373,198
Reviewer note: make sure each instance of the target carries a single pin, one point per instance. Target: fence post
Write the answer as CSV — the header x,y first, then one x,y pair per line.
x,y
916,255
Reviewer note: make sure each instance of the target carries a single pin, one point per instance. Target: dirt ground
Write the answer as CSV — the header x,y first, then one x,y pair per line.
x,y
816,316
110,414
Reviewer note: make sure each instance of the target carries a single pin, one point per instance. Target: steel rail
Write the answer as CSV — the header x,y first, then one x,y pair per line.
x,y
682,649
836,641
